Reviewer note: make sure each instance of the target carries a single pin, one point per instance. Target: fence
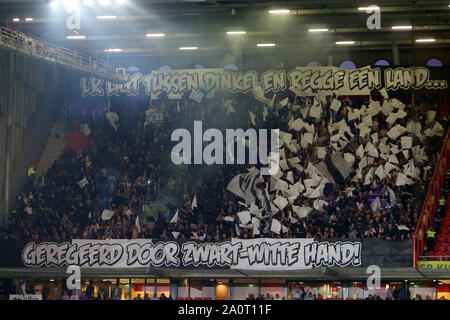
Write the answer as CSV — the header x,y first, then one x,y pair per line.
x,y
32,46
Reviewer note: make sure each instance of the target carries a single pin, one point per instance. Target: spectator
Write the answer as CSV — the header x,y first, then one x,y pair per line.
x,y
417,297
117,294
90,291
309,296
296,294
74,295
163,297
65,295
431,237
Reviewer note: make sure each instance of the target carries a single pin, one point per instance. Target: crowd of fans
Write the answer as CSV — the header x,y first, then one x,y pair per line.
x,y
57,290
132,165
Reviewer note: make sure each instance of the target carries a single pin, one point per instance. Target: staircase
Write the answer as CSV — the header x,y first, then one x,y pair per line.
x,y
442,246
426,220
54,146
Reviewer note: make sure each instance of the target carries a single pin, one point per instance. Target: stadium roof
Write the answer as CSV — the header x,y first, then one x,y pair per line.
x,y
204,24
338,274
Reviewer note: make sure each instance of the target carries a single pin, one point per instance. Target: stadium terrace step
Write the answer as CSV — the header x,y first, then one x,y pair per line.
x,y
77,141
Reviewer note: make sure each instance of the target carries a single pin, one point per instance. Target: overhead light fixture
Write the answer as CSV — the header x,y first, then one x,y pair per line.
x,y
76,37
265,45
369,8
87,2
155,35
70,4
16,19
279,11
401,27
236,32
426,40
188,48
106,17
113,50
54,4
121,2
103,2
318,30
29,19
345,42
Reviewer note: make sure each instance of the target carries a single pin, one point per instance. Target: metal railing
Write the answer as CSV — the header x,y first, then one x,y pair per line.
x,y
26,44
426,219
432,258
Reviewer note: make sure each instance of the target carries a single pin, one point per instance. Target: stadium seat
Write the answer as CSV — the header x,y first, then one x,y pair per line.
x,y
207,298
349,299
188,298
179,298
197,298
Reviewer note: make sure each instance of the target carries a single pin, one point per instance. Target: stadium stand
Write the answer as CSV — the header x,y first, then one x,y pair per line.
x,y
118,170
93,181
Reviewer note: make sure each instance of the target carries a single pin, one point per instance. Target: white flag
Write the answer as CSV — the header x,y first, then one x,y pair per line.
x,y
194,203
175,234
280,202
275,226
252,117
113,118
107,214
335,105
174,218
83,182
375,204
244,216
138,224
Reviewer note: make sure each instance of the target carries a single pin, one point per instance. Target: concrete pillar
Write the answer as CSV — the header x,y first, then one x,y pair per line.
x,y
174,288
22,86
330,61
395,57
286,289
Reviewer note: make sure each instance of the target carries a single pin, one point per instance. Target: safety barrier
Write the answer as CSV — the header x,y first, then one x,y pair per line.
x,y
430,204
32,46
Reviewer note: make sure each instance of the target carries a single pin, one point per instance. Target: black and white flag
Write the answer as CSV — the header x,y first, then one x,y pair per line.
x,y
153,116
244,185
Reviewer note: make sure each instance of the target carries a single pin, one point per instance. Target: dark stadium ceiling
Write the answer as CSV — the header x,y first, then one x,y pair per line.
x,y
204,24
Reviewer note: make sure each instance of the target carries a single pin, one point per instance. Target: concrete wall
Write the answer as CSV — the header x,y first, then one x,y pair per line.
x,y
272,57
28,90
